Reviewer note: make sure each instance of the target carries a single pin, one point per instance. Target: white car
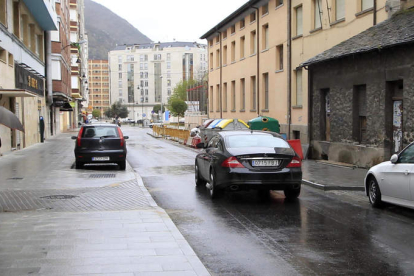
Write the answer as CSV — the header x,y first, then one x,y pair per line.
x,y
392,181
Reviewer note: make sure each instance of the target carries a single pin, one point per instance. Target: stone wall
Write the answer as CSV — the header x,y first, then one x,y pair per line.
x,y
374,70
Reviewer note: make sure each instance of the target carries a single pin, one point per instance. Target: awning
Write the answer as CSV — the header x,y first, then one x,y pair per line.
x,y
66,107
17,93
76,96
43,13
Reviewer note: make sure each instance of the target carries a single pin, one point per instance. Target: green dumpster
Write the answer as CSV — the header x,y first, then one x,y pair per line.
x,y
264,123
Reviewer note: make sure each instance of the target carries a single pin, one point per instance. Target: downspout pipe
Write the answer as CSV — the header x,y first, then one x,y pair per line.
x,y
257,62
289,66
49,83
310,104
375,13
221,76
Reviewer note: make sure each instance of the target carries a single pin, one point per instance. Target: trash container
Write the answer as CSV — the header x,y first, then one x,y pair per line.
x,y
264,123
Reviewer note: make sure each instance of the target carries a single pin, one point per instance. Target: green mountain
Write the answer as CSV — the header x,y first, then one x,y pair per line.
x,y
106,30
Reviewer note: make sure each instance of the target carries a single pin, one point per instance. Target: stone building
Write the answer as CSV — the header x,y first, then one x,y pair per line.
x,y
99,96
361,96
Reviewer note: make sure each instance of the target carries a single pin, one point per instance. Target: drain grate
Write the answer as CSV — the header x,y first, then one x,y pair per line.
x,y
102,175
15,178
58,197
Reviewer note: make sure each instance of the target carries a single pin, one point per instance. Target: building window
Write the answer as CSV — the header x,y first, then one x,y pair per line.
x,y
233,29
120,93
253,95
168,82
298,87
317,11
279,2
242,47
359,120
120,75
339,9
16,19
211,99
218,98
242,94
367,4
265,9
298,21
120,67
253,42
146,92
225,97
130,58
279,57
265,37
252,17
217,58
225,55
242,23
224,35
168,65
168,57
217,39
119,59
233,51
233,96
266,90
119,84
168,74
169,92
11,60
211,61
3,12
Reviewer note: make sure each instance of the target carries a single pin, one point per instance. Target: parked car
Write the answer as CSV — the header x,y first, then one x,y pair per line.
x,y
392,181
245,160
155,123
100,143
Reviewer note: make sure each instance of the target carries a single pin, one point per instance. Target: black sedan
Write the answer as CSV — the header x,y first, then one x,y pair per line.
x,y
100,143
244,160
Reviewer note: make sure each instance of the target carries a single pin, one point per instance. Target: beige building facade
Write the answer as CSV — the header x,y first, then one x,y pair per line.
x,y
23,68
99,96
256,52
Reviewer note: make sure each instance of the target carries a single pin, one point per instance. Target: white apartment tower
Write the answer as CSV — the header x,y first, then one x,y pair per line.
x,y
144,75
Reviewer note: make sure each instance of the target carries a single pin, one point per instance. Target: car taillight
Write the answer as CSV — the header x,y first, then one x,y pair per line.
x,y
295,163
80,137
121,135
232,162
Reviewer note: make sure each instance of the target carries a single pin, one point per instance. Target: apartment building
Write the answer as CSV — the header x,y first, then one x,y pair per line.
x,y
66,62
23,24
99,96
255,55
145,75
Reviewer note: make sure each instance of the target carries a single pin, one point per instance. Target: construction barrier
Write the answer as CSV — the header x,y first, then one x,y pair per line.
x,y
195,141
179,135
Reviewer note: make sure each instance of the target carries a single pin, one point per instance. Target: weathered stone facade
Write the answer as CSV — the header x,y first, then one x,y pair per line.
x,y
386,75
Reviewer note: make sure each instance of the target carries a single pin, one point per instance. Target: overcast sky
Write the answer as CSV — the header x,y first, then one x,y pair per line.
x,y
165,20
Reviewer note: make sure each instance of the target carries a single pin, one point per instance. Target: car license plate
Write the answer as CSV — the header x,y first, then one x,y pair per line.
x,y
103,158
265,163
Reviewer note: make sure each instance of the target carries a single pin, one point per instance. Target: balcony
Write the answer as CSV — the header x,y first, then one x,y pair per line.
x,y
43,13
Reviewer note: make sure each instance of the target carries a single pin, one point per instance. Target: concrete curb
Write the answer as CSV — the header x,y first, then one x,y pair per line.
x,y
331,188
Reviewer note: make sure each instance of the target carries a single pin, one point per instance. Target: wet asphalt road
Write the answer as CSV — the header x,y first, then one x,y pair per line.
x,y
335,233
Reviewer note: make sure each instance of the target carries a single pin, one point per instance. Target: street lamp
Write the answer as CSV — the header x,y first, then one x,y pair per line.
x,y
142,104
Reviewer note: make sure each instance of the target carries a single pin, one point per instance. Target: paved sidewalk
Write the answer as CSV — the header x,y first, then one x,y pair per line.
x,y
55,220
332,177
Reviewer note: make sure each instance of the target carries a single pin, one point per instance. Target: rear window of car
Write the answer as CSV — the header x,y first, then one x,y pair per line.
x,y
100,131
255,141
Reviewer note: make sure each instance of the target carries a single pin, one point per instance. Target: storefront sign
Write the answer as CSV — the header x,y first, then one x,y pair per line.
x,y
28,81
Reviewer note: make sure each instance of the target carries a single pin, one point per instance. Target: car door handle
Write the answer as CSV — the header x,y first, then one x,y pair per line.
x,y
407,173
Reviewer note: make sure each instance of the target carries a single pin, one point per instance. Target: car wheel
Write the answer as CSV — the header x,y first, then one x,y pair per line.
x,y
198,180
122,165
292,193
79,165
214,192
374,192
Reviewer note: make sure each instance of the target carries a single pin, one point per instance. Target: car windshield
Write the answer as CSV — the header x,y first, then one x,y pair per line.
x,y
100,131
255,141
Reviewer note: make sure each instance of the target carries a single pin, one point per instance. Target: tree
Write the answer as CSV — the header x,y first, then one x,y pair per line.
x,y
157,108
180,91
96,113
117,110
178,108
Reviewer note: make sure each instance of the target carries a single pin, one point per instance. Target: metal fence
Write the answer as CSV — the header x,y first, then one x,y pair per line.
x,y
176,134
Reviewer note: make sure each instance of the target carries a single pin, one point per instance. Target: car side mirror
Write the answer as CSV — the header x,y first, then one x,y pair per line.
x,y
126,137
200,145
394,158
74,137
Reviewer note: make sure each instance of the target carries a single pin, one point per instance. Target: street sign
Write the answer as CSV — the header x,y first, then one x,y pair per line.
x,y
144,115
